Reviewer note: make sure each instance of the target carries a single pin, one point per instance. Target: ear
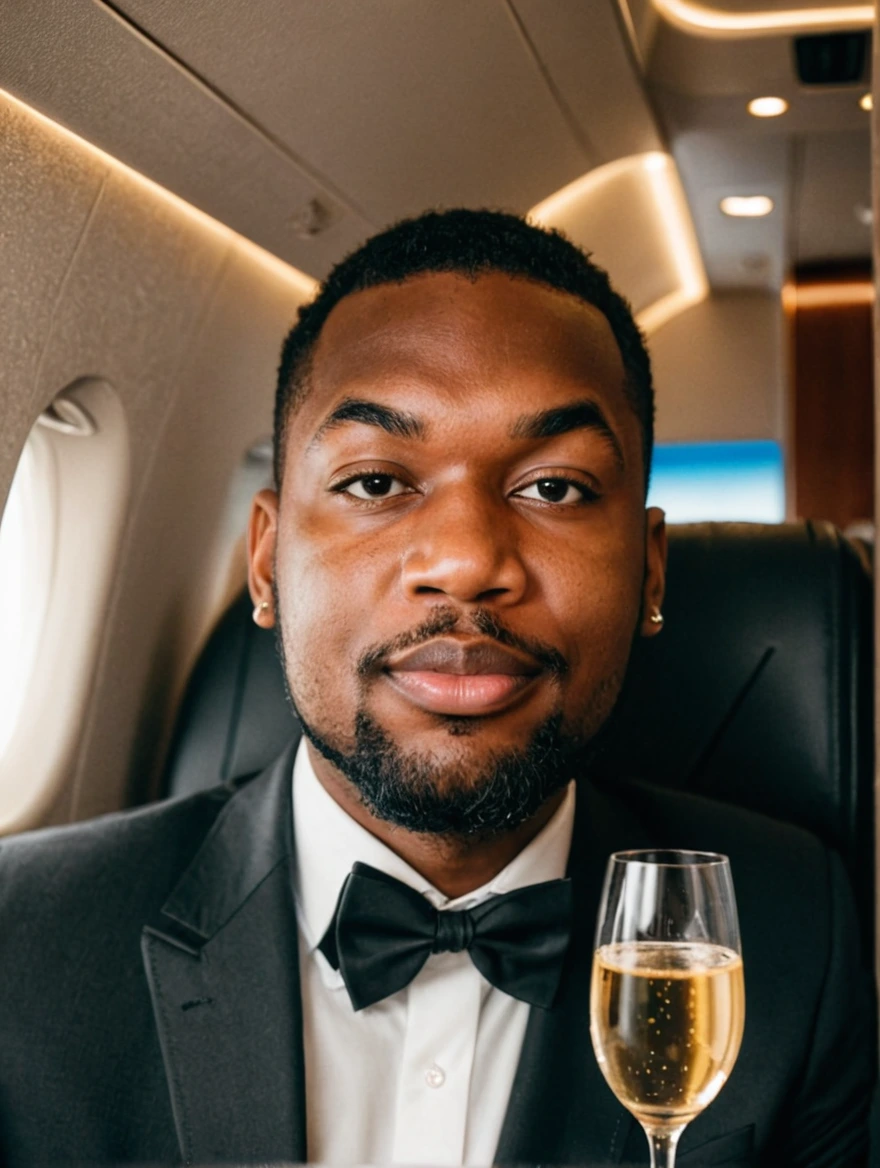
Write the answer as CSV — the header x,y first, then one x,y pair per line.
x,y
654,585
261,537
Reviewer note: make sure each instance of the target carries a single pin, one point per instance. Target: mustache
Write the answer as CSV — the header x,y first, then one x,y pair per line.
x,y
444,620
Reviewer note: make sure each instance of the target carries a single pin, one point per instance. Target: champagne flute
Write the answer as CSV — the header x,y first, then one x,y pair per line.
x,y
667,1003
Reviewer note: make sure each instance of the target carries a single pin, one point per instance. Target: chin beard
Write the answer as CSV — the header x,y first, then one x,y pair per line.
x,y
416,792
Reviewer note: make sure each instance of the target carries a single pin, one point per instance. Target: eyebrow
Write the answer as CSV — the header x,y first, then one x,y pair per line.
x,y
368,413
579,415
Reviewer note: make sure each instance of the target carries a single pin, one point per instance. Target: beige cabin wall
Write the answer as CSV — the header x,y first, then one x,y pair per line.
x,y
104,275
720,371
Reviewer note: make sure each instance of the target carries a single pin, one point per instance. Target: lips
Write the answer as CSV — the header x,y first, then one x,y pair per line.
x,y
468,678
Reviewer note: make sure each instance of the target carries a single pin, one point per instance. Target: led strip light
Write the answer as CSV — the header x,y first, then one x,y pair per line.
x,y
713,22
303,283
827,295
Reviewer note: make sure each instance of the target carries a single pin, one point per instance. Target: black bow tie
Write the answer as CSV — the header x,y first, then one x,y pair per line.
x,y
383,933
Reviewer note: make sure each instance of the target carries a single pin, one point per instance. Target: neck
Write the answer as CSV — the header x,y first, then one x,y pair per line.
x,y
453,865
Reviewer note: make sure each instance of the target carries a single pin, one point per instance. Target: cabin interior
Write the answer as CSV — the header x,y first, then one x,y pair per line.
x,y
177,177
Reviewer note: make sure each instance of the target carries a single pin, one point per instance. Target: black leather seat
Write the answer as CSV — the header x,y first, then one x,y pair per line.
x,y
758,692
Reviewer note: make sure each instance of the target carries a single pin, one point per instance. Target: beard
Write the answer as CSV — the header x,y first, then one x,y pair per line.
x,y
420,794
459,798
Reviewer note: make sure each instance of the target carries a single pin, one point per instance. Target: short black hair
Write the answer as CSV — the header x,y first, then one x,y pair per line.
x,y
469,243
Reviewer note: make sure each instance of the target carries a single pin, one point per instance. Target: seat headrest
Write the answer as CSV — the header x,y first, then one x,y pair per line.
x,y
235,717
758,691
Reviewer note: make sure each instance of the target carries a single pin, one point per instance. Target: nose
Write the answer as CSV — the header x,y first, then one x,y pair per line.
x,y
464,547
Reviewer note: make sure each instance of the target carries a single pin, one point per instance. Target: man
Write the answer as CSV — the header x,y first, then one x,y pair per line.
x,y
457,560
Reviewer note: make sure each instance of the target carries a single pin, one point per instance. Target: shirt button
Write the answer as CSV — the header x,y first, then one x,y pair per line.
x,y
435,1076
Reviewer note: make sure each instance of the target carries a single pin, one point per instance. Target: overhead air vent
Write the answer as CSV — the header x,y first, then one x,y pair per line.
x,y
832,58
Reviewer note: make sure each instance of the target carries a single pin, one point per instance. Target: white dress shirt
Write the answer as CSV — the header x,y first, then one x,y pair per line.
x,y
424,1076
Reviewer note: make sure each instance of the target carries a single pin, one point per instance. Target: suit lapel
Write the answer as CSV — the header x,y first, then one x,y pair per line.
x,y
223,971
561,1110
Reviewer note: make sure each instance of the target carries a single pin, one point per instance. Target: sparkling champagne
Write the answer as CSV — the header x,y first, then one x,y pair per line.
x,y
666,1020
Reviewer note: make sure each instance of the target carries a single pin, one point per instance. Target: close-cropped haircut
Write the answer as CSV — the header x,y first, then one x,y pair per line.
x,y
470,244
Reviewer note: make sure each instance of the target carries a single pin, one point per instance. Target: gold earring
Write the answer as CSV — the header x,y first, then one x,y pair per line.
x,y
262,607
656,617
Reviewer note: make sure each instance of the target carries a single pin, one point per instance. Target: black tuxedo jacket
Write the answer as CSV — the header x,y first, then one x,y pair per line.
x,y
150,1004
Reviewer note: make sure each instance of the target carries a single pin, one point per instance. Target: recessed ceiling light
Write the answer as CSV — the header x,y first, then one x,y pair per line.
x,y
747,206
866,101
767,107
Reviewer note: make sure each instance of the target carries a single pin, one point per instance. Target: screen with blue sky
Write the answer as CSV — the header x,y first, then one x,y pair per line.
x,y
719,480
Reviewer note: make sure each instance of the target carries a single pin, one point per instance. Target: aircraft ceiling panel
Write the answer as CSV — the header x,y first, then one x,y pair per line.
x,y
401,104
738,253
811,111
703,67
591,64
305,126
83,67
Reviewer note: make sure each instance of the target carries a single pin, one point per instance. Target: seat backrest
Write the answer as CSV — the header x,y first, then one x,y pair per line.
x,y
758,691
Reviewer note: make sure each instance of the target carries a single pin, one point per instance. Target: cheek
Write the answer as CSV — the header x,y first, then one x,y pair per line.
x,y
318,622
596,596
328,587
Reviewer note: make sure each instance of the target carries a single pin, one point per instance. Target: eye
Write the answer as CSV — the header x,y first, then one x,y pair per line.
x,y
557,491
372,486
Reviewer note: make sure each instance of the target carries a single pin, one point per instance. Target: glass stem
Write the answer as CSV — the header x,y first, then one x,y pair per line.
x,y
663,1142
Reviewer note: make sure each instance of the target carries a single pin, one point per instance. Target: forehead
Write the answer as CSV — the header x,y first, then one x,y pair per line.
x,y
465,337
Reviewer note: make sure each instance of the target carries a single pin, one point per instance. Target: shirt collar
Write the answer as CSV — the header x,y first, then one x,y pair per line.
x,y
328,842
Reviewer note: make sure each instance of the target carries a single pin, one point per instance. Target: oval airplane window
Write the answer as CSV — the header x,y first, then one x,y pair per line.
x,y
58,544
26,545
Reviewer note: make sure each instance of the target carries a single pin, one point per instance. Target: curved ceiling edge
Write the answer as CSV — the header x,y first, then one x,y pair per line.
x,y
638,208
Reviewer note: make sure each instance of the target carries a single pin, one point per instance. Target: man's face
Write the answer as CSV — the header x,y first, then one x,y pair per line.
x,y
461,553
